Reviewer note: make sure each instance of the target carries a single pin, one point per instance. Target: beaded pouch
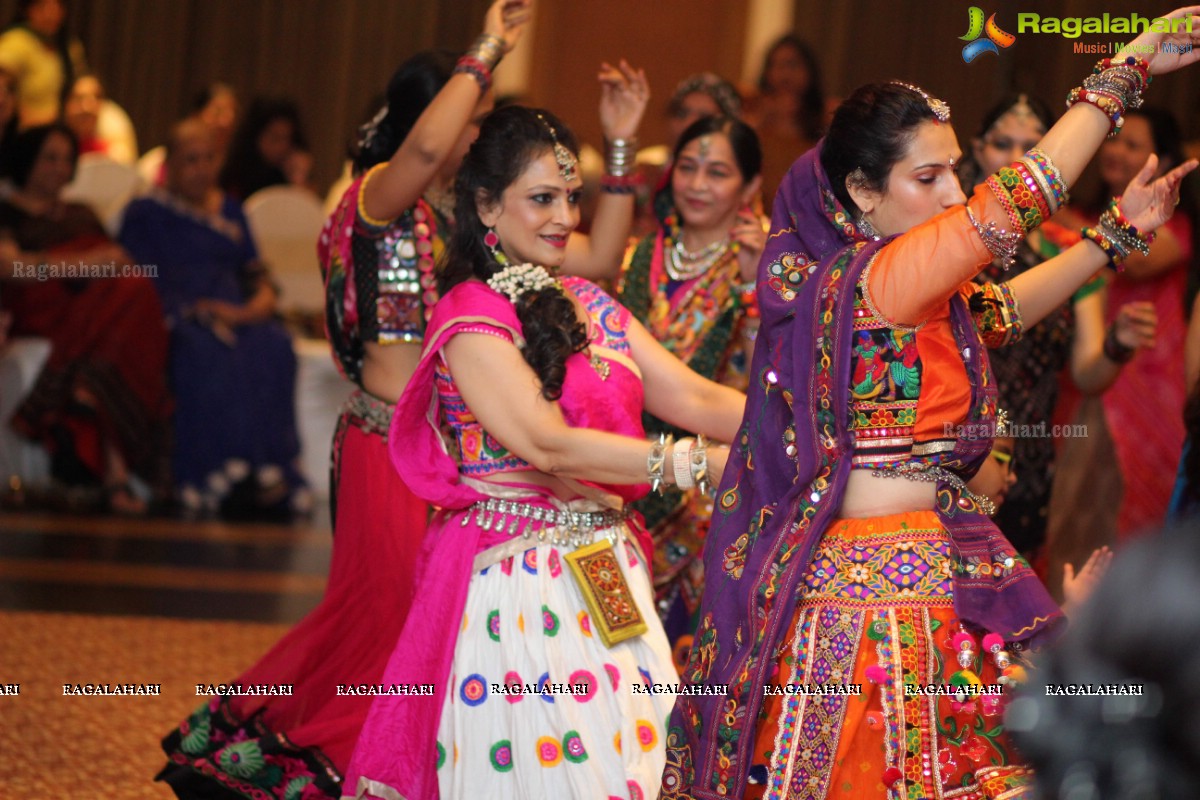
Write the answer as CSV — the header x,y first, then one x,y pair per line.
x,y
613,609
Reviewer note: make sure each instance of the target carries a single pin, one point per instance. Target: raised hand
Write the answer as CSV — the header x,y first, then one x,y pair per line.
x,y
1078,587
624,93
1136,325
506,19
1146,203
1183,47
750,232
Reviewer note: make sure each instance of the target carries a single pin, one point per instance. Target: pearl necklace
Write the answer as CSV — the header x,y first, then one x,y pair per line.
x,y
683,265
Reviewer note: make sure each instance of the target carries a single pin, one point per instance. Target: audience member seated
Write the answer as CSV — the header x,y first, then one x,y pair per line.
x,y
84,111
268,149
216,106
40,51
232,367
101,404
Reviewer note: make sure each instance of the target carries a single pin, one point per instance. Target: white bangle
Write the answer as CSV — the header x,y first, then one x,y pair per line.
x,y
681,462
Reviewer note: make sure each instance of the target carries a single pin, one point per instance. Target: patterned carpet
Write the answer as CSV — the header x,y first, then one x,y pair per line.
x,y
53,746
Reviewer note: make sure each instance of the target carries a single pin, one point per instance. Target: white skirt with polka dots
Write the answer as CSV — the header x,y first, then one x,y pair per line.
x,y
581,731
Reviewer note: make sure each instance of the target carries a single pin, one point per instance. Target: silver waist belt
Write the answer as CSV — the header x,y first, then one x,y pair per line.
x,y
555,526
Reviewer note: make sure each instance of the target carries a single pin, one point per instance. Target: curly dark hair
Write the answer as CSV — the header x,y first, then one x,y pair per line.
x,y
509,139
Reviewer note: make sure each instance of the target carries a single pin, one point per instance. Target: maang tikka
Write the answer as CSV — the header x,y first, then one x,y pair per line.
x,y
568,164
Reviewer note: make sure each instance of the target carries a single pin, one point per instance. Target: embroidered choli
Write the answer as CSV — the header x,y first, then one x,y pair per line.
x,y
478,453
909,394
379,282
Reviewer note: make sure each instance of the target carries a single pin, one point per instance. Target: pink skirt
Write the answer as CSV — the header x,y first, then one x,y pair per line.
x,y
299,746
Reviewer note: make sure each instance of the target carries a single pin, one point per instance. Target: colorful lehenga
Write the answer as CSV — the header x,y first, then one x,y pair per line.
x,y
300,745
496,606
796,596
703,322
104,382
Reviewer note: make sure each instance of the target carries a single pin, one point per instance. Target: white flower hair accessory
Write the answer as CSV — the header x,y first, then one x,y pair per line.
x,y
517,279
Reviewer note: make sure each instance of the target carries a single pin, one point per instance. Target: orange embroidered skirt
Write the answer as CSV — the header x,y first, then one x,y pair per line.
x,y
859,705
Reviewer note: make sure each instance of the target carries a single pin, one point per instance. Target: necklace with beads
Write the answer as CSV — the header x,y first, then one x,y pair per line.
x,y
684,265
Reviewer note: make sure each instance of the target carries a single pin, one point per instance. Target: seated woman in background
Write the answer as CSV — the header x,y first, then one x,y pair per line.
x,y
85,112
101,403
691,283
268,149
232,366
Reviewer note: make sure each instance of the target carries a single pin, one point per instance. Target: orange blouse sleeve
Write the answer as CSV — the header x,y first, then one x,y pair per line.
x,y
920,270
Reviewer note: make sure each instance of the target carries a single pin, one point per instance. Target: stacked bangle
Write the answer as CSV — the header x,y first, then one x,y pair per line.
x,y
1120,229
1114,350
1113,87
622,158
481,59
656,462
1116,256
620,184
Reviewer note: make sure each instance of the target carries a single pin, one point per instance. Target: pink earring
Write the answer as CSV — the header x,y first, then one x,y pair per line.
x,y
492,241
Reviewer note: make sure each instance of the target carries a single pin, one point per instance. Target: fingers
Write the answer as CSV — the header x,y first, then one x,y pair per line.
x,y
1068,573
1146,173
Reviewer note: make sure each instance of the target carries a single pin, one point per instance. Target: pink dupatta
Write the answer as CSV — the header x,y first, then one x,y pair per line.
x,y
396,755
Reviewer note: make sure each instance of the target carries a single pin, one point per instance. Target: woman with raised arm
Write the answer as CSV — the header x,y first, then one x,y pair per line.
x,y
849,553
1074,335
691,283
533,620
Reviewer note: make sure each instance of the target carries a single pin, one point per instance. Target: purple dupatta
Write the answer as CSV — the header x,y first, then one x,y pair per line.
x,y
773,507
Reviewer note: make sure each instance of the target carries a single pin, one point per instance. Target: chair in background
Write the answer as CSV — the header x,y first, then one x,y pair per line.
x,y
285,222
106,186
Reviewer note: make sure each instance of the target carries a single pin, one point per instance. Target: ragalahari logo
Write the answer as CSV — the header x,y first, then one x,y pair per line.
x,y
996,38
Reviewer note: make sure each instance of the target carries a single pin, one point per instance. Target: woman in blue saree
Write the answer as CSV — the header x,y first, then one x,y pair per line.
x,y
232,367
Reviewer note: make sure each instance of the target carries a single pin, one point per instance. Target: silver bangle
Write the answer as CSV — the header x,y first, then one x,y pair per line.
x,y
488,48
1000,242
622,157
698,459
656,462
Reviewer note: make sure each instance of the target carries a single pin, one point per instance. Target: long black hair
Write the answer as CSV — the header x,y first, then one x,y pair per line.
x,y
245,171
22,152
810,111
871,131
412,88
510,138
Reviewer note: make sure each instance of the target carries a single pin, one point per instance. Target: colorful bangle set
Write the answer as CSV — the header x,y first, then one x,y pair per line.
x,y
1114,86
